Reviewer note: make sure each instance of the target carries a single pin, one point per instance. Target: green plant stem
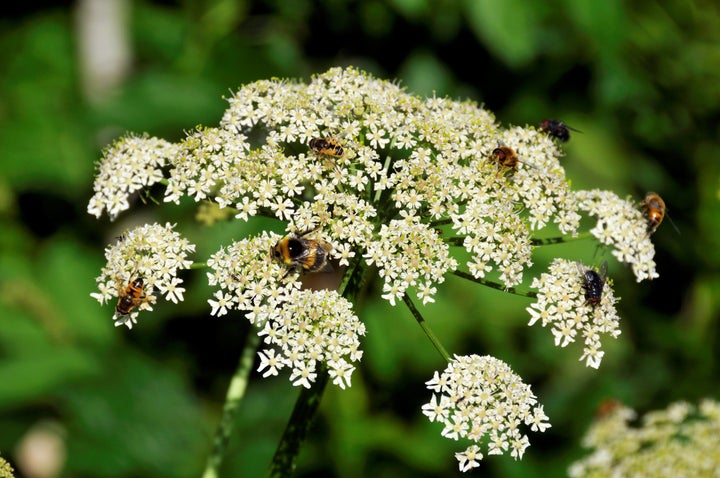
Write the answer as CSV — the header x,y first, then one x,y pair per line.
x,y
426,328
235,393
560,239
496,285
284,460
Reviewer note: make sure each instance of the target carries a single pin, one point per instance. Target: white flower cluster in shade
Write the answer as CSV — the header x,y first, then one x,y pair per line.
x,y
130,164
621,225
561,304
481,399
152,252
300,328
681,440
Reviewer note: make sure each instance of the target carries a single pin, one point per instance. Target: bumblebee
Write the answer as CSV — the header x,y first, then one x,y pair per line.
x,y
593,283
326,147
130,296
301,254
556,129
654,211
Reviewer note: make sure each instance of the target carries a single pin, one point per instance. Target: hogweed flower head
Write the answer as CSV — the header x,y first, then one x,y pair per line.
x,y
152,253
483,400
681,440
562,305
412,187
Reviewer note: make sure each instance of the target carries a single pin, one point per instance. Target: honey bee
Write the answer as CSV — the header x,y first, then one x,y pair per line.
x,y
654,210
593,283
507,159
504,156
130,296
556,129
301,254
326,147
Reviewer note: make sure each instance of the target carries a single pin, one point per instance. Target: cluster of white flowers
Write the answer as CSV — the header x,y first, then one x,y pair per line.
x,y
681,440
305,326
410,254
406,163
482,399
130,164
153,253
621,225
561,304
406,179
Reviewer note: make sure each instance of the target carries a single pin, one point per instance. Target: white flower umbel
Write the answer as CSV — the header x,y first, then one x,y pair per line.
x,y
561,304
621,224
128,165
481,399
300,327
153,253
410,254
681,440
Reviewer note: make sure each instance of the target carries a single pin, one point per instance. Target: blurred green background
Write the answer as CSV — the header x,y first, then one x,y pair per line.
x,y
640,79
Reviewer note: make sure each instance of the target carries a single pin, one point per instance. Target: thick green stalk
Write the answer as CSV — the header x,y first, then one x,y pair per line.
x,y
284,460
235,393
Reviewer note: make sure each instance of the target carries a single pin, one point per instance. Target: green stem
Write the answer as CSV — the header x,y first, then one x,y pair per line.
x,y
560,239
496,285
440,222
426,328
284,460
235,393
198,265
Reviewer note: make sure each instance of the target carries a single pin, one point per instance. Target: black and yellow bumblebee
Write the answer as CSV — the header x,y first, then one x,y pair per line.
x,y
299,253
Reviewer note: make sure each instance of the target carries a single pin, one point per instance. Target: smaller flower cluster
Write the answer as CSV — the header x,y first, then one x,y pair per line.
x,y
300,327
561,303
681,440
482,399
143,259
311,327
621,225
410,254
130,164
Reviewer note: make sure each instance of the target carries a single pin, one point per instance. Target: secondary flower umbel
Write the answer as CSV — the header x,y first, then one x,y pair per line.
x,y
561,304
153,253
681,440
482,399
